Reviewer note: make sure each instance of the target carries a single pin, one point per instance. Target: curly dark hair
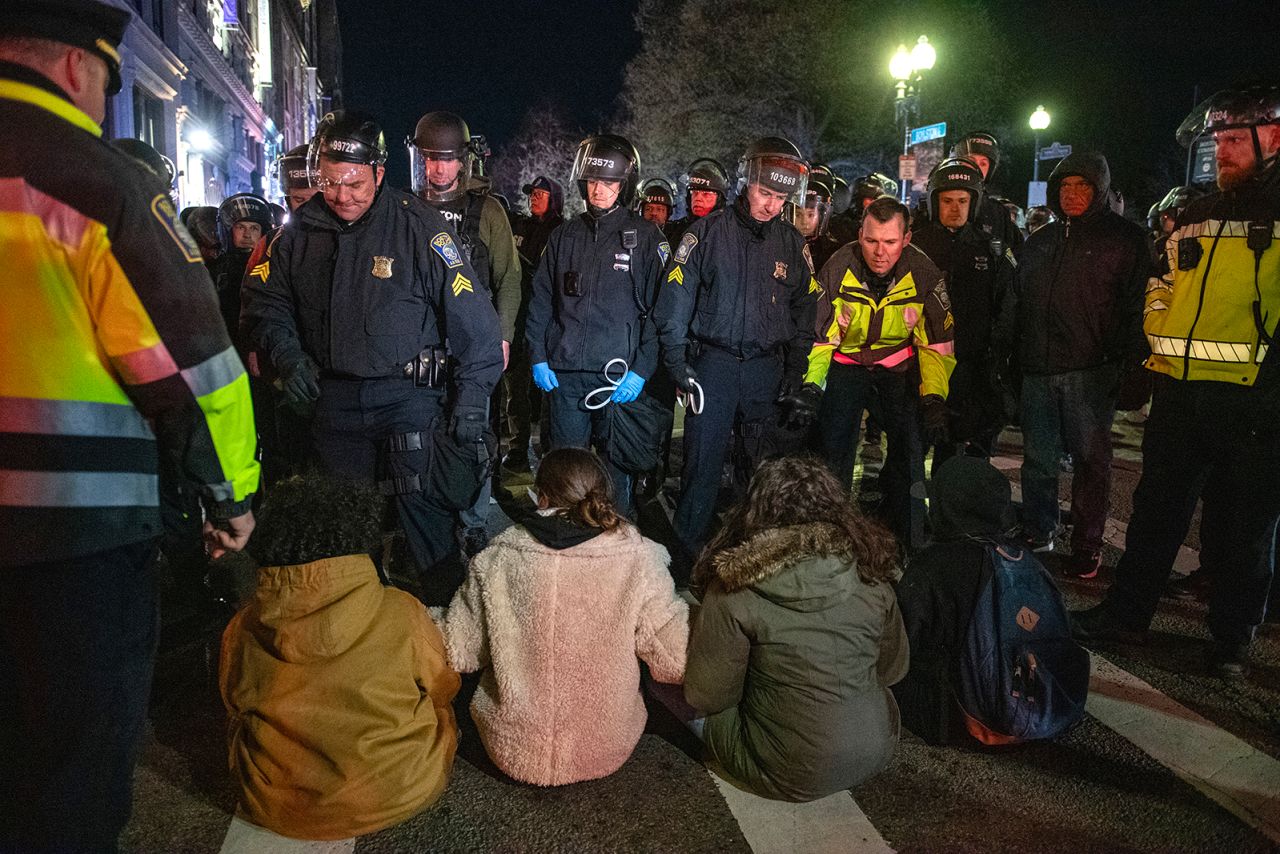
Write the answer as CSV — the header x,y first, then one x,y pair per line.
x,y
313,516
800,490
575,479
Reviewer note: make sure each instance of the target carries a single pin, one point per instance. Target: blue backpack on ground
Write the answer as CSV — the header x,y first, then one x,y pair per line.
x,y
1021,676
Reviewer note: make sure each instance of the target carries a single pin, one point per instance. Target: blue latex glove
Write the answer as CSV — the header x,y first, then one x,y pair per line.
x,y
629,389
545,378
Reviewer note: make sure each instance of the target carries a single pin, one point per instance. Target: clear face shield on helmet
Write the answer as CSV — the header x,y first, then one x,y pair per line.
x,y
600,162
811,218
439,176
779,175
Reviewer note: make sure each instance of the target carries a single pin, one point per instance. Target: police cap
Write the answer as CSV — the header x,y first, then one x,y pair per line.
x,y
93,26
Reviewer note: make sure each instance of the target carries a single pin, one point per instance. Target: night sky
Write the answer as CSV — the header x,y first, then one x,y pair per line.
x,y
1118,76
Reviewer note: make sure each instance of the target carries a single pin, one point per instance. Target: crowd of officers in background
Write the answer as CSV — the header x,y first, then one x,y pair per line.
x,y
781,316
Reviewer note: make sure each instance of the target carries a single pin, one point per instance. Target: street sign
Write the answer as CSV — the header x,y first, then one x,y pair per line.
x,y
928,132
1037,192
1057,151
906,167
1204,168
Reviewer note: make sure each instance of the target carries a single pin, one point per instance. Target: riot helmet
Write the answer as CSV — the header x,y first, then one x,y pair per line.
x,y
954,173
1038,217
841,195
657,191
607,157
811,217
346,136
292,171
238,208
981,144
279,215
705,175
775,164
442,157
868,188
1245,107
202,222
160,165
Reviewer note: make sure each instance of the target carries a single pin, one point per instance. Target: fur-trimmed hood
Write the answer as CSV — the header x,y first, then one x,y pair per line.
x,y
807,567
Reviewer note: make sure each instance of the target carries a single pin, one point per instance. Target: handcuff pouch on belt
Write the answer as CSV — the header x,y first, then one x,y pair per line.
x,y
430,369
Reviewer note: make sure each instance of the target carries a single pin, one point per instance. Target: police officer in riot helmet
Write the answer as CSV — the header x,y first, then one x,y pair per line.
x,y
813,215
865,190
242,221
159,165
736,320
983,150
656,202
443,155
589,323
978,282
351,303
706,190
296,179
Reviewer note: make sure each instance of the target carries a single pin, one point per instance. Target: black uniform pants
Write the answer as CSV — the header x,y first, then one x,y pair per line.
x,y
575,426
892,398
354,425
738,392
77,648
977,412
1204,440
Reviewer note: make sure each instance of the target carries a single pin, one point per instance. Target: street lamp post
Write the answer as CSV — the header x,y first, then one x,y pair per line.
x,y
907,67
1039,121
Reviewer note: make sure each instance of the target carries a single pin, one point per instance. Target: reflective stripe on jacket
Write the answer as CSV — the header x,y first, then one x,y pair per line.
x,y
1200,320
111,342
912,319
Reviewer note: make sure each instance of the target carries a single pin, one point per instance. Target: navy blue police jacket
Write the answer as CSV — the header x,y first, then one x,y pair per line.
x,y
593,293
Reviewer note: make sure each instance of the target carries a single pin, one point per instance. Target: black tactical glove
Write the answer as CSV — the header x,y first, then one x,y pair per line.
x,y
937,420
300,380
468,424
801,406
683,376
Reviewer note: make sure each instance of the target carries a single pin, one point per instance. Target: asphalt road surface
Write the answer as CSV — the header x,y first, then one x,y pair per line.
x,y
1167,759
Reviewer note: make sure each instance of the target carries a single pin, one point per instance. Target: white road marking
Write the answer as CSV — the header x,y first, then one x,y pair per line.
x,y
834,824
245,838
1243,780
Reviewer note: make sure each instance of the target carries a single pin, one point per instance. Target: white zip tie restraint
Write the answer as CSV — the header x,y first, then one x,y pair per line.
x,y
589,401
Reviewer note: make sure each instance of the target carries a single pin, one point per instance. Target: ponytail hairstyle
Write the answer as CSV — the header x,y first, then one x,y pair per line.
x,y
574,480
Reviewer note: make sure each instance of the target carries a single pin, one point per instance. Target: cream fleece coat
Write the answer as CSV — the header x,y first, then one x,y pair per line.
x,y
557,634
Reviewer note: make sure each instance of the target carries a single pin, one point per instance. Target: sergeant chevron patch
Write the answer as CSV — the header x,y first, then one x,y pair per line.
x,y
676,275
262,271
461,283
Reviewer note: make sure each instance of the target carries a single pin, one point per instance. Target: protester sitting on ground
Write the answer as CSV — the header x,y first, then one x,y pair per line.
x,y
991,654
798,638
338,688
969,506
555,613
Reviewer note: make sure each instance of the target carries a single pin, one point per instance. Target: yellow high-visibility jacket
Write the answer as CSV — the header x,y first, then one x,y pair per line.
x,y
112,349
912,320
1199,316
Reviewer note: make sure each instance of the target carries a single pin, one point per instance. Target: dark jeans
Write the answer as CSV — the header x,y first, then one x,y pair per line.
x,y
77,648
575,426
521,398
354,423
1069,412
1208,440
892,398
738,392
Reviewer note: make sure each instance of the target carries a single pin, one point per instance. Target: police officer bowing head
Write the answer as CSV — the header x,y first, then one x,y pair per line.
x,y
606,170
347,157
771,173
298,182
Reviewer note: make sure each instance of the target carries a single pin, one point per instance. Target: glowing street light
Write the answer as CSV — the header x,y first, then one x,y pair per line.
x,y
907,67
200,140
1039,121
923,55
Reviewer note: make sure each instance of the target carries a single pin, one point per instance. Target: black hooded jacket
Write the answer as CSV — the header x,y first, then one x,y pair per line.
x,y
1080,283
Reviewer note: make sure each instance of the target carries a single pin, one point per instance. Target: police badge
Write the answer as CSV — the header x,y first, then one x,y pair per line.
x,y
382,266
779,270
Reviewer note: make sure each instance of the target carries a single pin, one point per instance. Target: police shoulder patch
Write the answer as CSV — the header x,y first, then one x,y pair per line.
x,y
162,208
686,247
808,258
940,291
444,246
664,252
